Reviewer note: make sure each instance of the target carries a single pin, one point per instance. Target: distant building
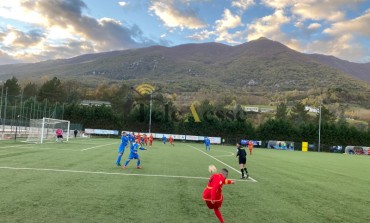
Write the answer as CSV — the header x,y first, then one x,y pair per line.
x,y
266,110
95,103
311,109
250,109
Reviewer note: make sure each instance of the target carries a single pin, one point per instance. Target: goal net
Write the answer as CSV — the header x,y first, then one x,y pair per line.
x,y
45,129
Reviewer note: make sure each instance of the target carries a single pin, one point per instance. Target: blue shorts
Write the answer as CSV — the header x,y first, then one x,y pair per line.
x,y
121,148
133,156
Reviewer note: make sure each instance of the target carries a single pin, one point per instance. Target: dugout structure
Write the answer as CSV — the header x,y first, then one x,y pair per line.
x,y
44,129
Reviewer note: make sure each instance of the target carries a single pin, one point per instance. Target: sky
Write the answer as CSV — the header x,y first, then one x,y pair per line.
x,y
39,30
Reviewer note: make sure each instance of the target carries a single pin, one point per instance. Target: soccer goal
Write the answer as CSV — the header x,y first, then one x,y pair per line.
x,y
44,129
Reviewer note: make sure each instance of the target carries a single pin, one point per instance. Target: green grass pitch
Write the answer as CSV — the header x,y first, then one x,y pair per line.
x,y
77,181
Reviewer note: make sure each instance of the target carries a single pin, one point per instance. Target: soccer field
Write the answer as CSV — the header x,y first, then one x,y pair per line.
x,y
78,181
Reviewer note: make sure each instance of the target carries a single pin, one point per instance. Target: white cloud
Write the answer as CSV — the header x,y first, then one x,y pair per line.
x,y
330,10
313,26
202,35
268,26
318,11
172,17
60,25
278,4
122,3
358,26
345,47
14,10
222,30
242,4
228,21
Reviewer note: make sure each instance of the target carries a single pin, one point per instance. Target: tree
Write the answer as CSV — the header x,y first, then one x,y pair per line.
x,y
298,114
30,90
14,89
52,90
326,115
72,90
281,112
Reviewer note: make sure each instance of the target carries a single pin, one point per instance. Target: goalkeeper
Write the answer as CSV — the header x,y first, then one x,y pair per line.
x,y
133,154
59,134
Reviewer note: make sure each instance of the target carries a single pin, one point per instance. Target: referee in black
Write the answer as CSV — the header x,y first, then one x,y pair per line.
x,y
242,160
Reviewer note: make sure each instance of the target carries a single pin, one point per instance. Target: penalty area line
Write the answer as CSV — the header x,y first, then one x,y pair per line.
x,y
98,146
250,178
105,173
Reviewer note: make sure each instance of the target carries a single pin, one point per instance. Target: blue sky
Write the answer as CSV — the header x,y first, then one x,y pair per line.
x,y
38,30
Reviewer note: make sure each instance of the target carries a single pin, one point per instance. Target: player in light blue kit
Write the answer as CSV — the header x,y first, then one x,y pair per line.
x,y
131,137
133,154
121,148
207,142
164,139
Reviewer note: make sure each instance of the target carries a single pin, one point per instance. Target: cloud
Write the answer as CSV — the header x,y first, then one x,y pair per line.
x,y
122,3
228,21
358,26
242,4
223,30
277,4
173,16
314,26
107,34
268,26
330,10
59,23
345,47
202,35
6,59
318,11
342,39
15,38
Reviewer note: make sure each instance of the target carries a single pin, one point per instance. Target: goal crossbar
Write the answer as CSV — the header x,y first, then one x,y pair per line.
x,y
45,128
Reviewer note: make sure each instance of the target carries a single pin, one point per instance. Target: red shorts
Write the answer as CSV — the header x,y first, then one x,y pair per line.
x,y
215,205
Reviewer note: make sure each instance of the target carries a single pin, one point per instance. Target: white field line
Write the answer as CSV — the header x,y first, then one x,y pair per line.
x,y
221,162
99,146
105,173
27,146
7,147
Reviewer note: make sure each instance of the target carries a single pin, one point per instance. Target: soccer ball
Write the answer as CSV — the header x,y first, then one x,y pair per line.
x,y
212,168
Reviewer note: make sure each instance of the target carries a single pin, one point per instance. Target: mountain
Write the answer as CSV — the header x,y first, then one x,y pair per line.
x,y
357,70
259,65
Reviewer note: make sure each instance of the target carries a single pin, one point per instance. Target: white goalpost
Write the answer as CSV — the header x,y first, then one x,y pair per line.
x,y
45,129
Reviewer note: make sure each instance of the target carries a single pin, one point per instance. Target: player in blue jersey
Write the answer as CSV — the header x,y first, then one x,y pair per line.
x,y
121,148
133,154
207,142
131,137
164,139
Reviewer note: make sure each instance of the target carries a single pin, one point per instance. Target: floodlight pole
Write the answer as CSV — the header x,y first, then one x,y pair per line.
x,y
150,111
16,128
319,127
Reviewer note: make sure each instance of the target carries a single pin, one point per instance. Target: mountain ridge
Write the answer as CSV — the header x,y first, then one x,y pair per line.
x,y
218,63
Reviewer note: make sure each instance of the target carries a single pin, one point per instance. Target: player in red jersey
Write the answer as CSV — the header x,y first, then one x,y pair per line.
x,y
212,194
250,146
171,140
145,139
150,140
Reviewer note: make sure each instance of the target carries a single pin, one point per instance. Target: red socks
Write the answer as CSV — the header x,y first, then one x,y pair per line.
x,y
219,215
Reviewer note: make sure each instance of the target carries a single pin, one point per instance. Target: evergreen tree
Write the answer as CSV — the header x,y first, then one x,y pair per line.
x,y
299,115
30,90
281,112
14,89
52,90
